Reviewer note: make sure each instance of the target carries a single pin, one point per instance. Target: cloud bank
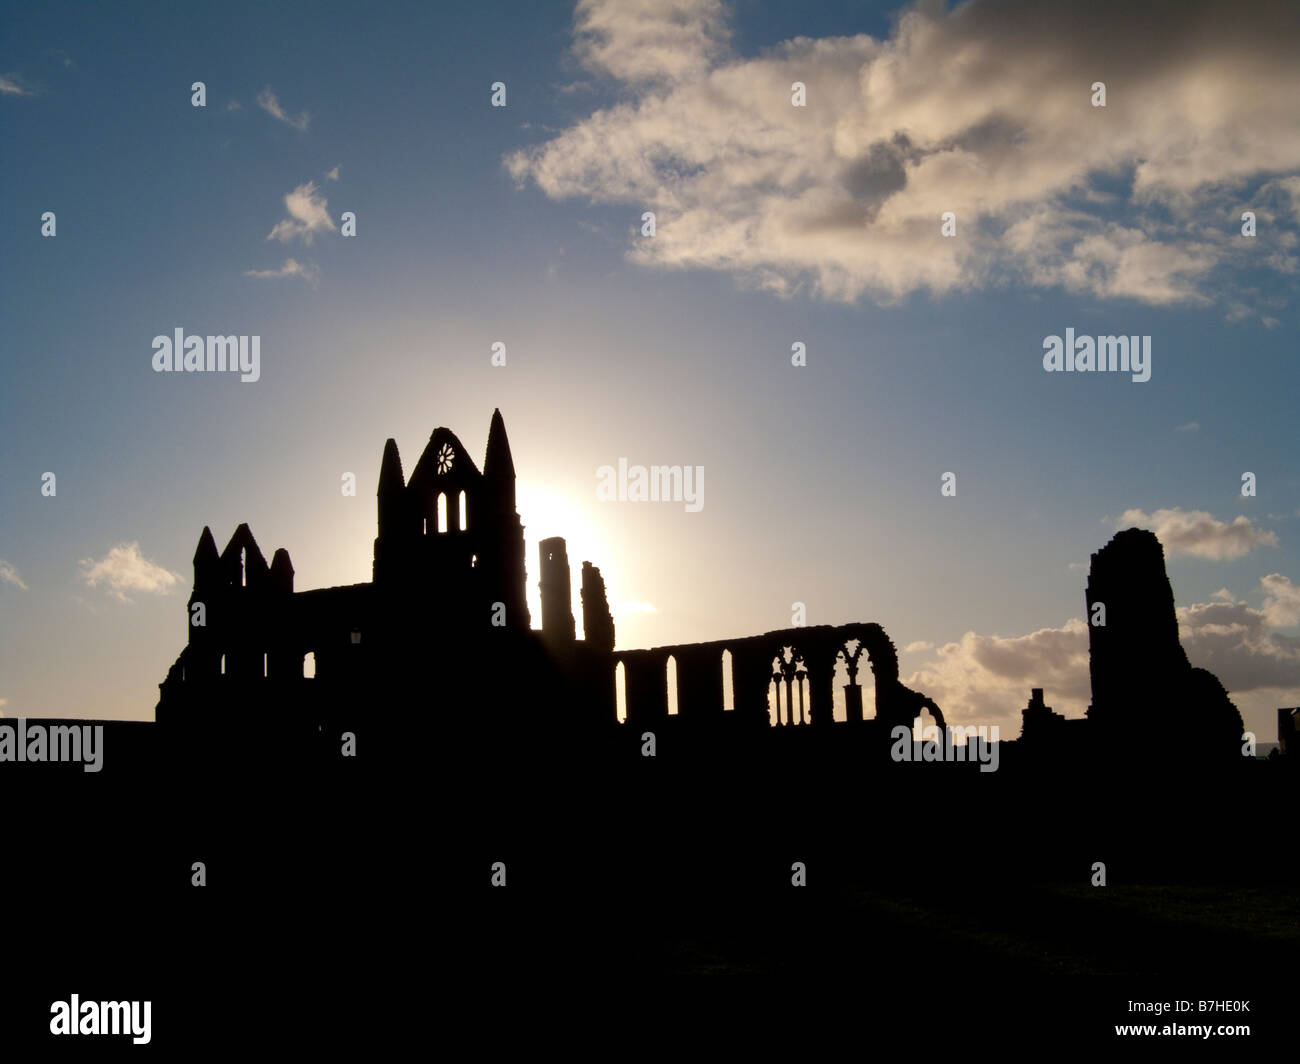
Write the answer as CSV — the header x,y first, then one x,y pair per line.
x,y
984,111
986,679
1200,534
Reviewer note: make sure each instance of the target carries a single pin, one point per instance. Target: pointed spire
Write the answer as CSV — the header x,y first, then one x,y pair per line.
x,y
498,462
206,551
207,562
390,470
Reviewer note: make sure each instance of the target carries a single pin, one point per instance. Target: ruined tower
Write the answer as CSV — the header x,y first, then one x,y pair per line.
x,y
236,608
443,626
451,533
1144,690
1137,650
558,628
597,621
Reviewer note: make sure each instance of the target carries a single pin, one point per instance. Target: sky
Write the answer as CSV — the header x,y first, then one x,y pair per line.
x,y
818,222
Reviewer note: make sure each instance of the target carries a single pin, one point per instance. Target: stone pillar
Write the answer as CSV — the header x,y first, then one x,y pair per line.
x,y
750,676
853,703
699,682
821,692
645,674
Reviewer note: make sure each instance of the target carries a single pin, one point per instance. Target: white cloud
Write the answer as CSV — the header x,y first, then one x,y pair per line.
x,y
1191,426
983,110
1223,595
10,575
234,105
1281,601
919,645
650,41
125,569
308,215
1200,534
1286,189
10,86
1238,645
986,679
332,175
270,103
291,268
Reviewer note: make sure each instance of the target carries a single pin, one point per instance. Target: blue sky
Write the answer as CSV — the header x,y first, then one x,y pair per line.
x,y
775,224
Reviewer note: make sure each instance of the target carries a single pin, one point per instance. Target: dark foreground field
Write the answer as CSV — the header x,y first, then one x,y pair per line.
x,y
339,894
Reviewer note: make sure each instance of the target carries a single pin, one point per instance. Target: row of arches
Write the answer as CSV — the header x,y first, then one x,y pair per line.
x,y
787,703
620,686
789,693
308,665
439,523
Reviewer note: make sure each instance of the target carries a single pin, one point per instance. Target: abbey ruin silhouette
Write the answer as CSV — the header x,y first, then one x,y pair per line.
x,y
369,757
444,627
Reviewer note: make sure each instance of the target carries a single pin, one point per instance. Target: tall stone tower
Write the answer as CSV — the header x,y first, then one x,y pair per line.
x,y
558,628
451,533
597,621
1145,694
236,611
1134,654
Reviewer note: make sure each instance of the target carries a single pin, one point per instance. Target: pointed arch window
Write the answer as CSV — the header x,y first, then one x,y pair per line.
x,y
670,684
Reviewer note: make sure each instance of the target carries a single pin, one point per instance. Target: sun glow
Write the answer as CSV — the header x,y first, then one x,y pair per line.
x,y
546,513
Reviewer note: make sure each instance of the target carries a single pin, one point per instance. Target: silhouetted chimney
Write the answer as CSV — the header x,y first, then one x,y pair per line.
x,y
282,571
558,628
597,621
